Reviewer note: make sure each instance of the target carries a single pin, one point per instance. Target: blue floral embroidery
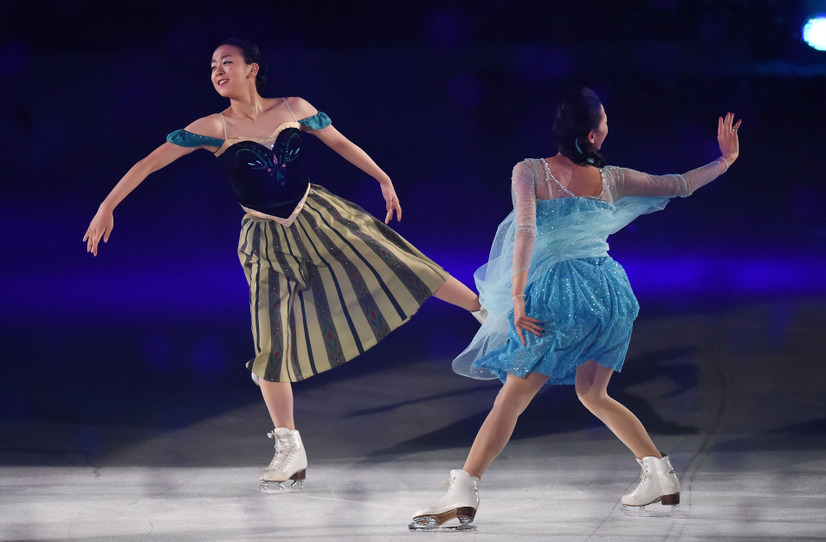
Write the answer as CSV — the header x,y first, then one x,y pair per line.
x,y
289,148
260,159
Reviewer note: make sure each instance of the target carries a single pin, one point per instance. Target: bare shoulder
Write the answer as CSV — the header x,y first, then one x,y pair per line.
x,y
301,107
210,126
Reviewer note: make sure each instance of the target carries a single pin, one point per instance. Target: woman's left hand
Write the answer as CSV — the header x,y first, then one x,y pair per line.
x,y
727,137
522,322
392,201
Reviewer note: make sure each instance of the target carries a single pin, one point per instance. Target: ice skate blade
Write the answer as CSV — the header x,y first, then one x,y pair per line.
x,y
654,510
287,486
445,521
429,523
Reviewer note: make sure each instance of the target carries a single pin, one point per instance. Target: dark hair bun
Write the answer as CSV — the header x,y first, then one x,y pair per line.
x,y
579,112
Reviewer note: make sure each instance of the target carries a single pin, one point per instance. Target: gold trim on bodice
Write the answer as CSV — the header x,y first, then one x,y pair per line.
x,y
283,221
266,141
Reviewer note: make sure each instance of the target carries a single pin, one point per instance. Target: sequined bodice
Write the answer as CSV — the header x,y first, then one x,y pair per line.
x,y
266,174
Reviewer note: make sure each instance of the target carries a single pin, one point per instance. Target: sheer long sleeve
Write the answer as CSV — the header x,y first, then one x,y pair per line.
x,y
630,182
523,187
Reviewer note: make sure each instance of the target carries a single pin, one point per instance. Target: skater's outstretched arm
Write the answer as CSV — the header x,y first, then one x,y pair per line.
x,y
356,156
104,221
636,183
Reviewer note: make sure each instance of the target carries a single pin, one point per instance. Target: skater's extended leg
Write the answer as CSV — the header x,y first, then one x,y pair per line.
x,y
658,482
456,293
515,395
591,389
462,497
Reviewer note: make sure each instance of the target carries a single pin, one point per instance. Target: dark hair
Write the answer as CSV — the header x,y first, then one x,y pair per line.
x,y
578,113
251,55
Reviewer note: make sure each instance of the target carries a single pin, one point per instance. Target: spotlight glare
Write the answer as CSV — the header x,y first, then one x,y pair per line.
x,y
814,32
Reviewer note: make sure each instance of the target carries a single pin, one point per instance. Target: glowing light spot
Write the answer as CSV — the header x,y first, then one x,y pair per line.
x,y
814,32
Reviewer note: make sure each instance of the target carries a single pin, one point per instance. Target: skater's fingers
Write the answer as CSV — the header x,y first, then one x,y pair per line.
x,y
521,336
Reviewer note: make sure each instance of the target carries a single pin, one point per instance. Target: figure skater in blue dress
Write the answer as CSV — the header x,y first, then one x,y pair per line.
x,y
560,310
327,280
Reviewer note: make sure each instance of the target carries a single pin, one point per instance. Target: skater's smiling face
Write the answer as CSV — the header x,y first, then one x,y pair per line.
x,y
236,67
230,72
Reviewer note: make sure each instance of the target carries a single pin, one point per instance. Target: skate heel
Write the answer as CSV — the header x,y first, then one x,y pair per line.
x,y
672,500
465,513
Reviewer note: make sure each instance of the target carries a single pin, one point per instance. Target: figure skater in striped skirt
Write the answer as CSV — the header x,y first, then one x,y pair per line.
x,y
326,280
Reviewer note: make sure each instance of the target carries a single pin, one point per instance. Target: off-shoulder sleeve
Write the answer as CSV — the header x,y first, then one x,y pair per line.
x,y
523,187
316,122
182,138
630,182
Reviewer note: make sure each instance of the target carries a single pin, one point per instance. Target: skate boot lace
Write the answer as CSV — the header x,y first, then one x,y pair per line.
x,y
283,454
643,477
448,482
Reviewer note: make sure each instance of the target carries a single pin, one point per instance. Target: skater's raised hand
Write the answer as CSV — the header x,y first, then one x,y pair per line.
x,y
727,137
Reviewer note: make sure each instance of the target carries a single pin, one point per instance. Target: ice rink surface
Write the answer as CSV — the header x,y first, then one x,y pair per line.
x,y
732,392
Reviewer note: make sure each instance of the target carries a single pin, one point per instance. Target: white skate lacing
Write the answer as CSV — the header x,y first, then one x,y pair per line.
x,y
448,483
283,452
643,477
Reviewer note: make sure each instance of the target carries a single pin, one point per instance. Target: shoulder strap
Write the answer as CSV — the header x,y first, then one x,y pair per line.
x,y
224,122
289,108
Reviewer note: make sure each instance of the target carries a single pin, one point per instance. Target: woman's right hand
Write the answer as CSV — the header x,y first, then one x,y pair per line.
x,y
100,228
391,201
727,137
522,321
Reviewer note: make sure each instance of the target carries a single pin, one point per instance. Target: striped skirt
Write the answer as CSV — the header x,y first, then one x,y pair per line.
x,y
328,287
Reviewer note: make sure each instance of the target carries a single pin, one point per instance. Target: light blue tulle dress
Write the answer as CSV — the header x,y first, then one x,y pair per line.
x,y
580,295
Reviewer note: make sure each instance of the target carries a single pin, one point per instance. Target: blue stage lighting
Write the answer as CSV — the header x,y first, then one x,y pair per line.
x,y
814,32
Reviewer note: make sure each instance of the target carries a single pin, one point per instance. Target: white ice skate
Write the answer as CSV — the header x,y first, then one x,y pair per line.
x,y
460,502
658,483
288,467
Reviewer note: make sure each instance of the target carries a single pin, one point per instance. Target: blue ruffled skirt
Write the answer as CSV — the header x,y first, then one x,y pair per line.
x,y
586,309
